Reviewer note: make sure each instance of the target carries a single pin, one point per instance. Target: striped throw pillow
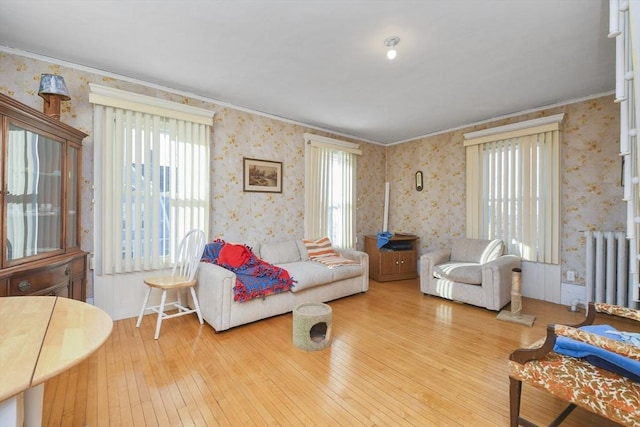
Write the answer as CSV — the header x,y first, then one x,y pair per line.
x,y
319,248
333,261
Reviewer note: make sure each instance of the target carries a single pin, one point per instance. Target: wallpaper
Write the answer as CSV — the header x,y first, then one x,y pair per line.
x,y
590,171
590,168
235,215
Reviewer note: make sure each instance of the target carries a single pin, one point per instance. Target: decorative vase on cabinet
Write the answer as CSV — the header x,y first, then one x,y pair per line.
x,y
39,174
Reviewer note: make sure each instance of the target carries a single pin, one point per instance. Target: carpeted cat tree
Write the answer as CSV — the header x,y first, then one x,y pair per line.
x,y
515,315
312,326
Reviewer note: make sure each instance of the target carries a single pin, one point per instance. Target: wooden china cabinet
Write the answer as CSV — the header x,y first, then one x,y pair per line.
x,y
40,199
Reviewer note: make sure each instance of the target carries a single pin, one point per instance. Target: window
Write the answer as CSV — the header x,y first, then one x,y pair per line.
x,y
152,180
330,188
513,187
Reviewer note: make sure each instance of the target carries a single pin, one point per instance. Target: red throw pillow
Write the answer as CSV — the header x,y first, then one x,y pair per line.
x,y
234,255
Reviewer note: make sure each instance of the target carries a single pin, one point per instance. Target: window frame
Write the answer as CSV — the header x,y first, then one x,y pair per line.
x,y
143,120
536,229
318,196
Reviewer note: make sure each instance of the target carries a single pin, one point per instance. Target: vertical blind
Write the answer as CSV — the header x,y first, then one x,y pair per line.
x,y
513,187
330,188
154,186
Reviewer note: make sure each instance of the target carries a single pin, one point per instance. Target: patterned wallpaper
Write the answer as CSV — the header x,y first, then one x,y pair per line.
x,y
235,215
591,168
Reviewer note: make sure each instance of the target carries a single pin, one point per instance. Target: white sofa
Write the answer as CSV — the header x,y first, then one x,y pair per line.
x,y
474,271
314,283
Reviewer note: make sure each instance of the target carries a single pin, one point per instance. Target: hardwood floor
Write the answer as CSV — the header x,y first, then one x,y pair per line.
x,y
397,358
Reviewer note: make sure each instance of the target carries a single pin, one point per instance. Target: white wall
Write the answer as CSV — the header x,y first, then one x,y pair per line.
x,y
121,295
541,281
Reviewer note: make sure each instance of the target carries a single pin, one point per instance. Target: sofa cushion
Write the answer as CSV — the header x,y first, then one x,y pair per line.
x,y
307,274
463,272
493,251
280,253
304,255
476,250
346,272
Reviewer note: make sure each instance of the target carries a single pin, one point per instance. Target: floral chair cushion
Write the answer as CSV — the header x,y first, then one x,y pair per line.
x,y
578,381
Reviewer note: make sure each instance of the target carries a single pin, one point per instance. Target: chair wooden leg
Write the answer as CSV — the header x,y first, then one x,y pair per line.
x,y
195,302
179,299
163,298
515,393
144,308
564,414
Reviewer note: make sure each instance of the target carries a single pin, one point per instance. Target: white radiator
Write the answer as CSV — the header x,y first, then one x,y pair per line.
x,y
606,276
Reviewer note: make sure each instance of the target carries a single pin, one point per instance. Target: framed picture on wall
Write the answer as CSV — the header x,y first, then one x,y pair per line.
x,y
264,176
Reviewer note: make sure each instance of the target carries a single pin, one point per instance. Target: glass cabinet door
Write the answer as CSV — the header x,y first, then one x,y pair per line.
x,y
33,194
73,206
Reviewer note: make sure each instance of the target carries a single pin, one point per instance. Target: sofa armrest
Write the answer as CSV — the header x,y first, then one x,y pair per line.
x,y
432,259
215,294
352,254
427,262
506,264
523,355
363,259
497,279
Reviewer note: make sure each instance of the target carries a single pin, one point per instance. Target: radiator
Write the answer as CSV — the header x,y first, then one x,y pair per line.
x,y
606,275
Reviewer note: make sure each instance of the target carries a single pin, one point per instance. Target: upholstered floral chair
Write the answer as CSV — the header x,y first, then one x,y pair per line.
x,y
595,367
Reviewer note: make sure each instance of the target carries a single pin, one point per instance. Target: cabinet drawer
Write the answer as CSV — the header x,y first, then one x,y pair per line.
x,y
37,282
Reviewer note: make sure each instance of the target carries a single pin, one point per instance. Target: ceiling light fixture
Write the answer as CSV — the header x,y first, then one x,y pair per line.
x,y
391,43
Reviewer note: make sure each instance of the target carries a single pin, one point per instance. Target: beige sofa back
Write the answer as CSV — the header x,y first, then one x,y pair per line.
x,y
282,252
476,250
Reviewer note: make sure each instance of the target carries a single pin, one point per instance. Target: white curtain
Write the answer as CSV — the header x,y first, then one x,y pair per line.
x,y
152,183
513,187
330,188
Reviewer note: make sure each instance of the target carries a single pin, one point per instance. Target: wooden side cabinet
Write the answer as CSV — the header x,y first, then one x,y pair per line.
x,y
40,196
63,277
397,260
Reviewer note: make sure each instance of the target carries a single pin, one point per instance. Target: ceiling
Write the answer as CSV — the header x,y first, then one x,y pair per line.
x,y
323,62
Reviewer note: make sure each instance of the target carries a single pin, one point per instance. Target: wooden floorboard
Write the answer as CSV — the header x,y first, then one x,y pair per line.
x,y
397,358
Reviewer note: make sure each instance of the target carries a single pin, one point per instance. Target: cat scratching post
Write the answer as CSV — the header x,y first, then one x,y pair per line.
x,y
515,315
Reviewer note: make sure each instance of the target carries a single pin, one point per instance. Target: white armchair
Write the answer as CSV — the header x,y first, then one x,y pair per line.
x,y
474,271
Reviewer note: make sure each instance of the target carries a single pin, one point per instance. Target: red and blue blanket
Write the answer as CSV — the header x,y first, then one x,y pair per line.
x,y
255,278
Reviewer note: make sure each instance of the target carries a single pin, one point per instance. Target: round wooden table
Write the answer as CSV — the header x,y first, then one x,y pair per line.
x,y
41,337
